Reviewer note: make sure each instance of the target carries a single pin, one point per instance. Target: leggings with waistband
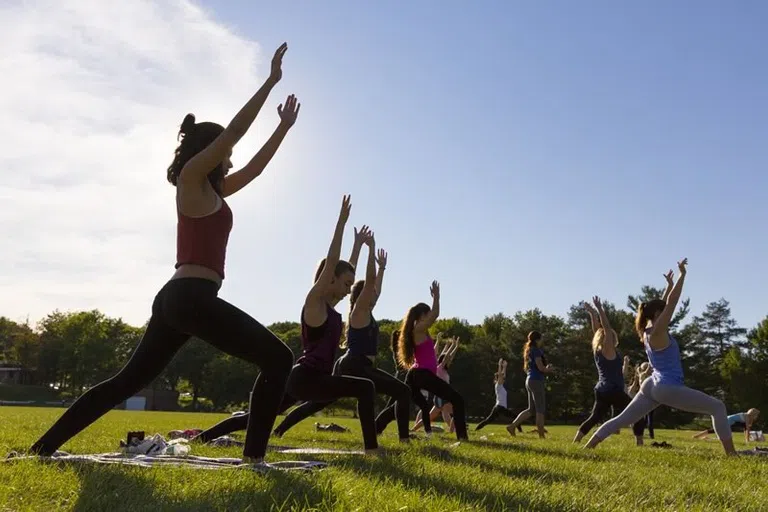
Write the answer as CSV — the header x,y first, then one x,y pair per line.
x,y
183,308
680,397
358,366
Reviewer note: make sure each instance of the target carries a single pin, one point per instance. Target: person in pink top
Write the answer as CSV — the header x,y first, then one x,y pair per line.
x,y
416,353
443,364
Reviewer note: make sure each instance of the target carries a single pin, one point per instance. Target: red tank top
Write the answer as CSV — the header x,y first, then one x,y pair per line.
x,y
203,240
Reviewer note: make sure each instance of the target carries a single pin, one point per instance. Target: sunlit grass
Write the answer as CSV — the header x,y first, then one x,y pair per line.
x,y
491,472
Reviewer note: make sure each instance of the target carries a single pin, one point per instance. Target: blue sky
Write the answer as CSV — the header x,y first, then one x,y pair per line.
x,y
525,154
532,154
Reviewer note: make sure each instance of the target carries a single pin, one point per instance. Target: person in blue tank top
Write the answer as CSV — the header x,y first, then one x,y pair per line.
x,y
362,345
609,390
666,385
535,365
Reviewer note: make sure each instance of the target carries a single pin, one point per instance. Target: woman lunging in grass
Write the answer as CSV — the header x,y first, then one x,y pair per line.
x,y
501,397
534,364
666,384
441,406
362,346
609,390
321,329
416,352
188,304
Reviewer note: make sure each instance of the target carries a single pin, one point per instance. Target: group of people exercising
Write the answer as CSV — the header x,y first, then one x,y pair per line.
x,y
188,305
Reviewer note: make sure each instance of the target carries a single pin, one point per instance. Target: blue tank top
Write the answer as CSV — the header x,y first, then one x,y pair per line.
x,y
533,370
667,367
610,376
365,341
319,343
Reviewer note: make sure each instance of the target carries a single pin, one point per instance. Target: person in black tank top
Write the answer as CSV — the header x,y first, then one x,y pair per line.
x,y
609,390
362,347
311,379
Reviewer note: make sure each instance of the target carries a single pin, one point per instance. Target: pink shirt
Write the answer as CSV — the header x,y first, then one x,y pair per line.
x,y
425,356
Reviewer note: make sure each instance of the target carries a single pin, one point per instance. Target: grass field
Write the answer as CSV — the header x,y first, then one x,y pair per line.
x,y
495,473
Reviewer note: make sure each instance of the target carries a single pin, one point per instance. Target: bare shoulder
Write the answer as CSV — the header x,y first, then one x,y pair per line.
x,y
195,200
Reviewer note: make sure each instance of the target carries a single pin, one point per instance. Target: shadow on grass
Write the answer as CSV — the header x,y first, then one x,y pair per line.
x,y
388,470
111,488
453,455
576,454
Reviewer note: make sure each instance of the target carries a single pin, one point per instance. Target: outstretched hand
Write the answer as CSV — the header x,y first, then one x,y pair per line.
x,y
290,112
381,259
346,207
276,71
370,240
681,265
597,302
362,235
668,276
434,290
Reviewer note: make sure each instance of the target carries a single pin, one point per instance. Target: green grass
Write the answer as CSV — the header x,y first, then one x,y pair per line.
x,y
498,473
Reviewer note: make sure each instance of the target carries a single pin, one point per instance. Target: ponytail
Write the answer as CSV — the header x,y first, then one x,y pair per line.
x,y
533,337
647,311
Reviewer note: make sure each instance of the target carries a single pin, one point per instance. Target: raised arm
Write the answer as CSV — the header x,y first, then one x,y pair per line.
x,y
626,369
670,283
659,339
360,238
360,316
237,180
609,344
198,167
431,317
381,261
593,319
449,351
315,311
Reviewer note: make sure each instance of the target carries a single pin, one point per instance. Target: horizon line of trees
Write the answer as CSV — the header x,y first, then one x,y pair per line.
x,y
71,351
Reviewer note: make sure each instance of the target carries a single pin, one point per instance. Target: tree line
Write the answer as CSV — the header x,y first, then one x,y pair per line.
x,y
74,350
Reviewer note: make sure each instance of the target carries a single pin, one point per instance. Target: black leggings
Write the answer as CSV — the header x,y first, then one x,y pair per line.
x,y
495,413
310,384
183,308
604,400
418,379
358,366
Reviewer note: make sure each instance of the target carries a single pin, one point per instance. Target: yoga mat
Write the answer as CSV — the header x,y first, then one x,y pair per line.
x,y
191,461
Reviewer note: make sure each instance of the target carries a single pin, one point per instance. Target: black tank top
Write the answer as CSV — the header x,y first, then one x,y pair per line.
x,y
365,341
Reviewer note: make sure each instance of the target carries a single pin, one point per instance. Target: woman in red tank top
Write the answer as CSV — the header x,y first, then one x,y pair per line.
x,y
188,305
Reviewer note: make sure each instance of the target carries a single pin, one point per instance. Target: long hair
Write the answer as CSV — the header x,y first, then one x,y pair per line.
x,y
598,340
646,311
406,348
357,289
533,338
194,138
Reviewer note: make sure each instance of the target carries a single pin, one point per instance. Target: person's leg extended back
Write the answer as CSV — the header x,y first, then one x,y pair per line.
x,y
386,384
692,400
236,333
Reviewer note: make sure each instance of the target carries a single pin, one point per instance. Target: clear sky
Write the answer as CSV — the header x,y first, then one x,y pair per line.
x,y
525,154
